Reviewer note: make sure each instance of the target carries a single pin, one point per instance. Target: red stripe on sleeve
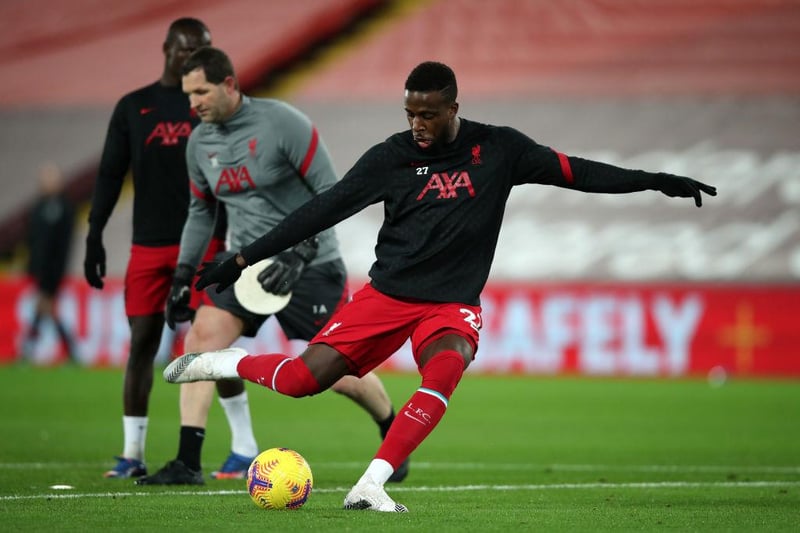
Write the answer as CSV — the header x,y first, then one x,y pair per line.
x,y
566,170
199,194
312,149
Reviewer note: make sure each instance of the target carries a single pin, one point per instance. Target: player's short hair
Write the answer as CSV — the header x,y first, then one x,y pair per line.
x,y
433,76
186,23
215,63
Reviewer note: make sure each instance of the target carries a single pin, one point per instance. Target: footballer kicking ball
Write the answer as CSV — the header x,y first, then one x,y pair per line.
x,y
279,478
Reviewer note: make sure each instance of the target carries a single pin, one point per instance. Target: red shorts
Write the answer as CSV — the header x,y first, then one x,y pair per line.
x,y
148,277
373,326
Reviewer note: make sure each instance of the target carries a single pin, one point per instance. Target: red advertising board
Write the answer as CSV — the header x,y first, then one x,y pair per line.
x,y
591,329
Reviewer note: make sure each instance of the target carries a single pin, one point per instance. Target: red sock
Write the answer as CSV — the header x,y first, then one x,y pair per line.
x,y
281,373
424,409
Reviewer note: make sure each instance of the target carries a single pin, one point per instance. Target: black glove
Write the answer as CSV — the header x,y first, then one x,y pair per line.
x,y
94,263
224,274
287,267
684,187
180,294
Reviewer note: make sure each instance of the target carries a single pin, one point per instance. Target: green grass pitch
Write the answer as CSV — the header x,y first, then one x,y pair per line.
x,y
512,453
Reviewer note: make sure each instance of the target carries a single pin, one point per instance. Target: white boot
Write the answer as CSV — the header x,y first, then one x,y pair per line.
x,y
205,366
368,495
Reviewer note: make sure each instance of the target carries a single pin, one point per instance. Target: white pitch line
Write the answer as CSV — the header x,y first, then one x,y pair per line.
x,y
453,488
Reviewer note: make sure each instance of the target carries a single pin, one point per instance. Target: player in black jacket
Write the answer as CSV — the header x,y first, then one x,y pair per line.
x,y
444,185
147,135
49,243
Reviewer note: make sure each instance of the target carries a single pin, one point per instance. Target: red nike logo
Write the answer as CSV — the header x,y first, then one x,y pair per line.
x,y
146,110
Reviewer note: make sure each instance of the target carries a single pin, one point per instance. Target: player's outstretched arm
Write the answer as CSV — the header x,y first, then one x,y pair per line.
x,y
594,176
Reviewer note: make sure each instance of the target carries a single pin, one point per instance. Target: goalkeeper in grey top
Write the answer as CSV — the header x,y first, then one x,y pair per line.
x,y
261,159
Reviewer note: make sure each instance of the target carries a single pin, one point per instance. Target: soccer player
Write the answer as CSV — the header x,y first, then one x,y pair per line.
x,y
147,134
49,242
261,159
444,184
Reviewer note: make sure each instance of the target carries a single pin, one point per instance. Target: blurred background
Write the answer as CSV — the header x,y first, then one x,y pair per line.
x,y
611,285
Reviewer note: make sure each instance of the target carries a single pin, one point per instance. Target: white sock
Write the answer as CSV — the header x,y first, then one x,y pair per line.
x,y
134,429
379,471
237,409
226,364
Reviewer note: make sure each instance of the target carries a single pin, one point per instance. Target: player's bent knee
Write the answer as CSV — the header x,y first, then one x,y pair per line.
x,y
294,379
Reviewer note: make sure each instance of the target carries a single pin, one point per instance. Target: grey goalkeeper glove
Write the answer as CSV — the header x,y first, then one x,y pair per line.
x,y
287,267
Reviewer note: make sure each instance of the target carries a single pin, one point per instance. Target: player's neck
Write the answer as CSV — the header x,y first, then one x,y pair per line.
x,y
454,127
238,102
236,105
170,80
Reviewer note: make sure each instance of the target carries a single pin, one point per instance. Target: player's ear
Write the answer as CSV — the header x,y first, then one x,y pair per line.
x,y
230,83
453,109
